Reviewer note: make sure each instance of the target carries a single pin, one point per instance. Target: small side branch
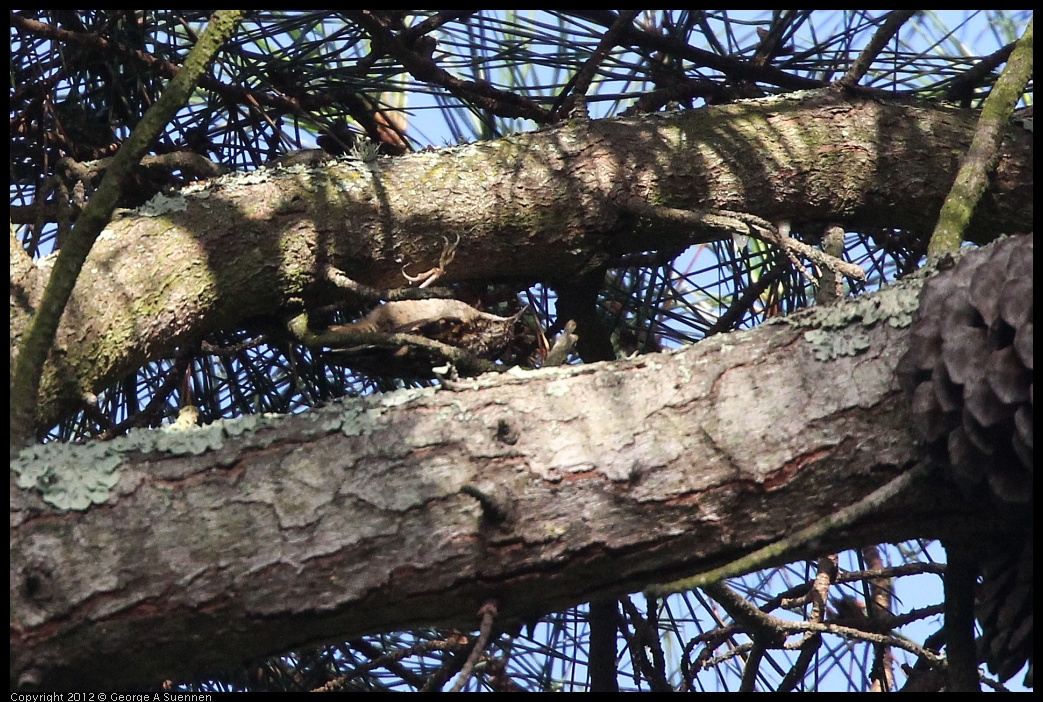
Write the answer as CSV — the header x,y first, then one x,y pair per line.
x,y
805,539
488,612
428,277
345,342
725,224
884,33
376,295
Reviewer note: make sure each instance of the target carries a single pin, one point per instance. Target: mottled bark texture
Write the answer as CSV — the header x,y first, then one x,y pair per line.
x,y
548,205
539,490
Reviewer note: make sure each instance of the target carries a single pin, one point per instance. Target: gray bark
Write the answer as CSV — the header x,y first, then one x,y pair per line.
x,y
539,490
548,205
166,553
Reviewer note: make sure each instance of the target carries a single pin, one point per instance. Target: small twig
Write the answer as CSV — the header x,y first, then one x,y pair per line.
x,y
808,649
388,660
345,342
818,594
892,639
723,224
762,229
772,39
488,612
376,295
444,259
759,625
895,20
575,105
232,350
786,243
782,627
803,539
481,94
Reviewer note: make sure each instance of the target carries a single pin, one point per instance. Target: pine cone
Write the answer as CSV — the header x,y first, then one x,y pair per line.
x,y
969,370
1004,609
969,373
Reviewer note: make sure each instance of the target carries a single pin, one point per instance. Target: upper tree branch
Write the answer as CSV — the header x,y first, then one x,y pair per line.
x,y
502,102
548,206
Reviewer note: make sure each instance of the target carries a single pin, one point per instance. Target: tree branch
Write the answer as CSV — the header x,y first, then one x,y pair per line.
x,y
549,206
42,326
984,152
679,477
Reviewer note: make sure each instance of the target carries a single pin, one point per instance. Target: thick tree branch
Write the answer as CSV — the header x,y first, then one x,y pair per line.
x,y
547,205
267,533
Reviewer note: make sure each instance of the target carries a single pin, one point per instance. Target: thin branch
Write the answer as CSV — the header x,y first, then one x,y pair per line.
x,y
983,155
39,336
345,343
752,667
722,224
961,88
759,625
480,93
576,104
805,538
488,612
736,69
895,20
818,594
374,295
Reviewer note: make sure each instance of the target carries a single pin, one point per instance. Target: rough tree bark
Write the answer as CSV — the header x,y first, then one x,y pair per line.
x,y
538,489
548,205
162,554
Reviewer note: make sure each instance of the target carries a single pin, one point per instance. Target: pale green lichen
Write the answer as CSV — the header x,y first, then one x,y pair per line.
x,y
261,175
194,441
839,330
161,204
46,468
76,476
827,345
404,396
359,421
